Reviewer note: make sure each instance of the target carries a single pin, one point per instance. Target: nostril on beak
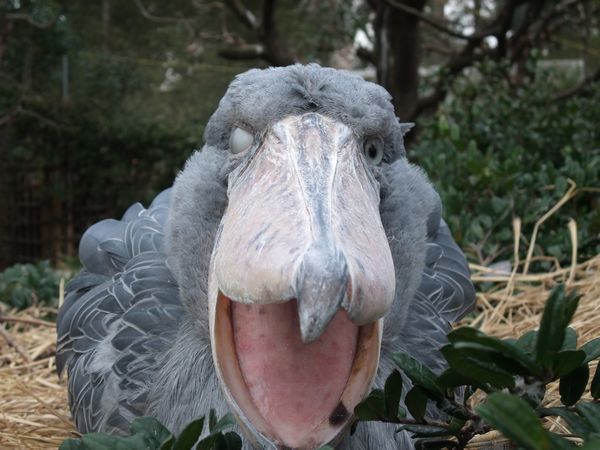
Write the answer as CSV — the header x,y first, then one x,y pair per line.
x,y
321,284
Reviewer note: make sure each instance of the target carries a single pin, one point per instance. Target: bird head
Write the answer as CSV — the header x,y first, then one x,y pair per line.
x,y
303,268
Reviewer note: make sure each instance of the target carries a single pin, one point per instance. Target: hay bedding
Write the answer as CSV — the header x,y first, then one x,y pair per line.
x,y
33,402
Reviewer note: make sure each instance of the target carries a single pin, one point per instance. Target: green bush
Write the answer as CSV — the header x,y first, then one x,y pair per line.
x,y
23,285
496,152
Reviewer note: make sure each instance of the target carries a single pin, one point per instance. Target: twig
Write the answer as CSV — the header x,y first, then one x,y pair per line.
x,y
579,88
31,21
160,19
45,405
565,198
14,343
573,233
245,16
426,19
30,321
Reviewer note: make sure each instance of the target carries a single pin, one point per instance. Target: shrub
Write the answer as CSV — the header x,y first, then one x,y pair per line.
x,y
23,285
496,152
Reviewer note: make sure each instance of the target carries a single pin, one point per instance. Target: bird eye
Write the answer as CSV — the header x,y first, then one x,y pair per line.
x,y
373,150
240,140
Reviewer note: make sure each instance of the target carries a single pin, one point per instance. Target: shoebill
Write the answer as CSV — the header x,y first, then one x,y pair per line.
x,y
294,254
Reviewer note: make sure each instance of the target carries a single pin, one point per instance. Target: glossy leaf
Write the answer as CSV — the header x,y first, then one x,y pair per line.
x,y
591,349
466,338
527,342
152,428
557,314
416,402
228,441
393,391
572,386
222,424
483,371
574,421
560,443
570,340
372,407
567,361
190,435
593,444
595,387
419,373
450,378
591,412
515,419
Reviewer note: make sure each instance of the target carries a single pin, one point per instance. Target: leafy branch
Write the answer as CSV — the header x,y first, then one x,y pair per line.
x,y
513,375
147,433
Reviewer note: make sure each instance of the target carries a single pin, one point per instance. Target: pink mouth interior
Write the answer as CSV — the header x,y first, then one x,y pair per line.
x,y
295,386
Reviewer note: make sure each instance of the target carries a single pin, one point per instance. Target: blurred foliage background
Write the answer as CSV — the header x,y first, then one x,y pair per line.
x,y
101,102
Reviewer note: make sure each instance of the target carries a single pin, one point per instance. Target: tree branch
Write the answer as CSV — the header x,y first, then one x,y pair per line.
x,y
159,19
268,17
426,19
366,55
580,88
31,21
243,52
243,14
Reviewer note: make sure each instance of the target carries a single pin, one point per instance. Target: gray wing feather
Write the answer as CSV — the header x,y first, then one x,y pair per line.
x,y
120,315
446,282
444,296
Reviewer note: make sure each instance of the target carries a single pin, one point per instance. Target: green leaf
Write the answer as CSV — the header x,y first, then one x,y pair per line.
x,y
420,374
577,425
168,443
467,338
570,340
593,444
557,314
212,419
99,441
591,349
591,412
416,402
190,435
515,419
560,443
152,428
225,422
595,387
393,391
567,361
228,441
450,379
572,386
481,370
372,407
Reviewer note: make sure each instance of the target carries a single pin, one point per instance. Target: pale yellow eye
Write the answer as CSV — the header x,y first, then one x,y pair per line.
x,y
373,150
240,140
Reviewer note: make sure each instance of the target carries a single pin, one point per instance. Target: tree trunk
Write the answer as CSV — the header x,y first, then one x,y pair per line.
x,y
106,25
398,54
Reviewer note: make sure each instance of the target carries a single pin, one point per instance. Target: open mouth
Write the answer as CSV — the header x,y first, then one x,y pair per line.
x,y
294,395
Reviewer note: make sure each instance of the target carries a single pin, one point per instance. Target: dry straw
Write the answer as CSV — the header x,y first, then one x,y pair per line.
x,y
33,402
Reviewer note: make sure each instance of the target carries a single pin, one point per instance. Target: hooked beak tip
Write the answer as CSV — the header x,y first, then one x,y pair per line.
x,y
321,286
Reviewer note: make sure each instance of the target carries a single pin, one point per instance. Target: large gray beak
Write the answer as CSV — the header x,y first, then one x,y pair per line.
x,y
300,275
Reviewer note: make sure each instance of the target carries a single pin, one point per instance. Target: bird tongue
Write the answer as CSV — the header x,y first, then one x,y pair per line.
x,y
295,386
